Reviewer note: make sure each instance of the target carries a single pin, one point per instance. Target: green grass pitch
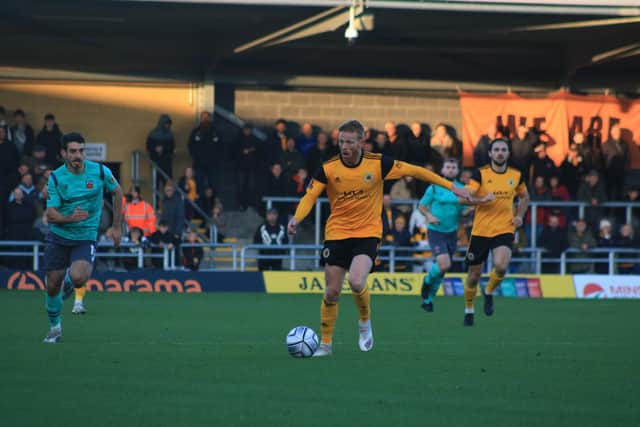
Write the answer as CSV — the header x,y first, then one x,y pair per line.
x,y
220,360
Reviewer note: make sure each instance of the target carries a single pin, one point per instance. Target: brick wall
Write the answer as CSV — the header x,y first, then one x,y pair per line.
x,y
328,109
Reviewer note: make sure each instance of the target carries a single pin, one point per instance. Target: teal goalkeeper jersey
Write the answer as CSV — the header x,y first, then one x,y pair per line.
x,y
67,191
444,206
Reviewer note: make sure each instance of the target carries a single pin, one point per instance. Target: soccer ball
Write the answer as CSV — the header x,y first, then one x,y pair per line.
x,y
302,342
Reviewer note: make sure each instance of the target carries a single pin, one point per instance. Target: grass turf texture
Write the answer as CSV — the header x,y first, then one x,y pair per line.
x,y
220,359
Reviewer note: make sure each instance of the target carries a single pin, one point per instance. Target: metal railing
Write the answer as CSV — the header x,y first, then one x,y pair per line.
x,y
155,170
390,255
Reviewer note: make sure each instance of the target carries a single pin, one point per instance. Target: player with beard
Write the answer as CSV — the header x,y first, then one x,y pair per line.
x,y
494,224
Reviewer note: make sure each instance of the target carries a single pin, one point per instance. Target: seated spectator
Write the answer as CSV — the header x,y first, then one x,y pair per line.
x,y
554,240
138,213
192,255
400,237
593,193
49,138
28,189
306,140
133,244
581,239
291,158
20,218
627,239
271,233
604,240
23,135
173,212
162,239
219,221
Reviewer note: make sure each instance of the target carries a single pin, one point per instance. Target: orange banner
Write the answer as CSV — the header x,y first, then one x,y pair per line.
x,y
560,115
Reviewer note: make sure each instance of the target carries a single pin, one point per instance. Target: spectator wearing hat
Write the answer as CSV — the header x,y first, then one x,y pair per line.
x,y
161,146
49,137
23,135
592,192
271,233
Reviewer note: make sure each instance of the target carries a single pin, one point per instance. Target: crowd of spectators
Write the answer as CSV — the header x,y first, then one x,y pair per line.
x,y
592,172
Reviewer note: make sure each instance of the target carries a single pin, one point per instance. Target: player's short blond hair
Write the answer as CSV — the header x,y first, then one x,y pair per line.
x,y
352,125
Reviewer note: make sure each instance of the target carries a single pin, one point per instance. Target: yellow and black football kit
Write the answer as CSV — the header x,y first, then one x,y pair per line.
x,y
493,221
355,197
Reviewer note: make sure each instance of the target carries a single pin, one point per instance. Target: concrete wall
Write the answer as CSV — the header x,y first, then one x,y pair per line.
x,y
328,109
120,115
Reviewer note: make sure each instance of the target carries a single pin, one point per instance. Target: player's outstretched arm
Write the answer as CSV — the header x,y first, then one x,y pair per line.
x,y
55,217
490,197
305,205
400,169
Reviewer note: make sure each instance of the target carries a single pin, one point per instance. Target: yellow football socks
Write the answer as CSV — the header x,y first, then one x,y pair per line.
x,y
80,293
469,296
363,302
494,281
328,317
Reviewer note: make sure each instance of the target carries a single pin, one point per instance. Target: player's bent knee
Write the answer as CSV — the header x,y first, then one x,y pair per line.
x,y
332,295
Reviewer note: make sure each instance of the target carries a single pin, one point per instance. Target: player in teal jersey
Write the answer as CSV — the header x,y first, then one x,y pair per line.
x,y
443,210
73,211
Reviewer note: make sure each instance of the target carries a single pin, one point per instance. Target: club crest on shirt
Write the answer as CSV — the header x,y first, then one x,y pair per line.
x,y
510,183
368,177
89,185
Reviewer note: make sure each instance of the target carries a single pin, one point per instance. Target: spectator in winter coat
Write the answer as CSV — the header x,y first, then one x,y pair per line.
x,y
161,145
23,135
20,218
271,233
49,137
419,145
582,240
206,151
162,238
592,192
173,210
615,153
246,157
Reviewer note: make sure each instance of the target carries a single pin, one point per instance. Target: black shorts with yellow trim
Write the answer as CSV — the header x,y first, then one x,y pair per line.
x,y
479,247
342,252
